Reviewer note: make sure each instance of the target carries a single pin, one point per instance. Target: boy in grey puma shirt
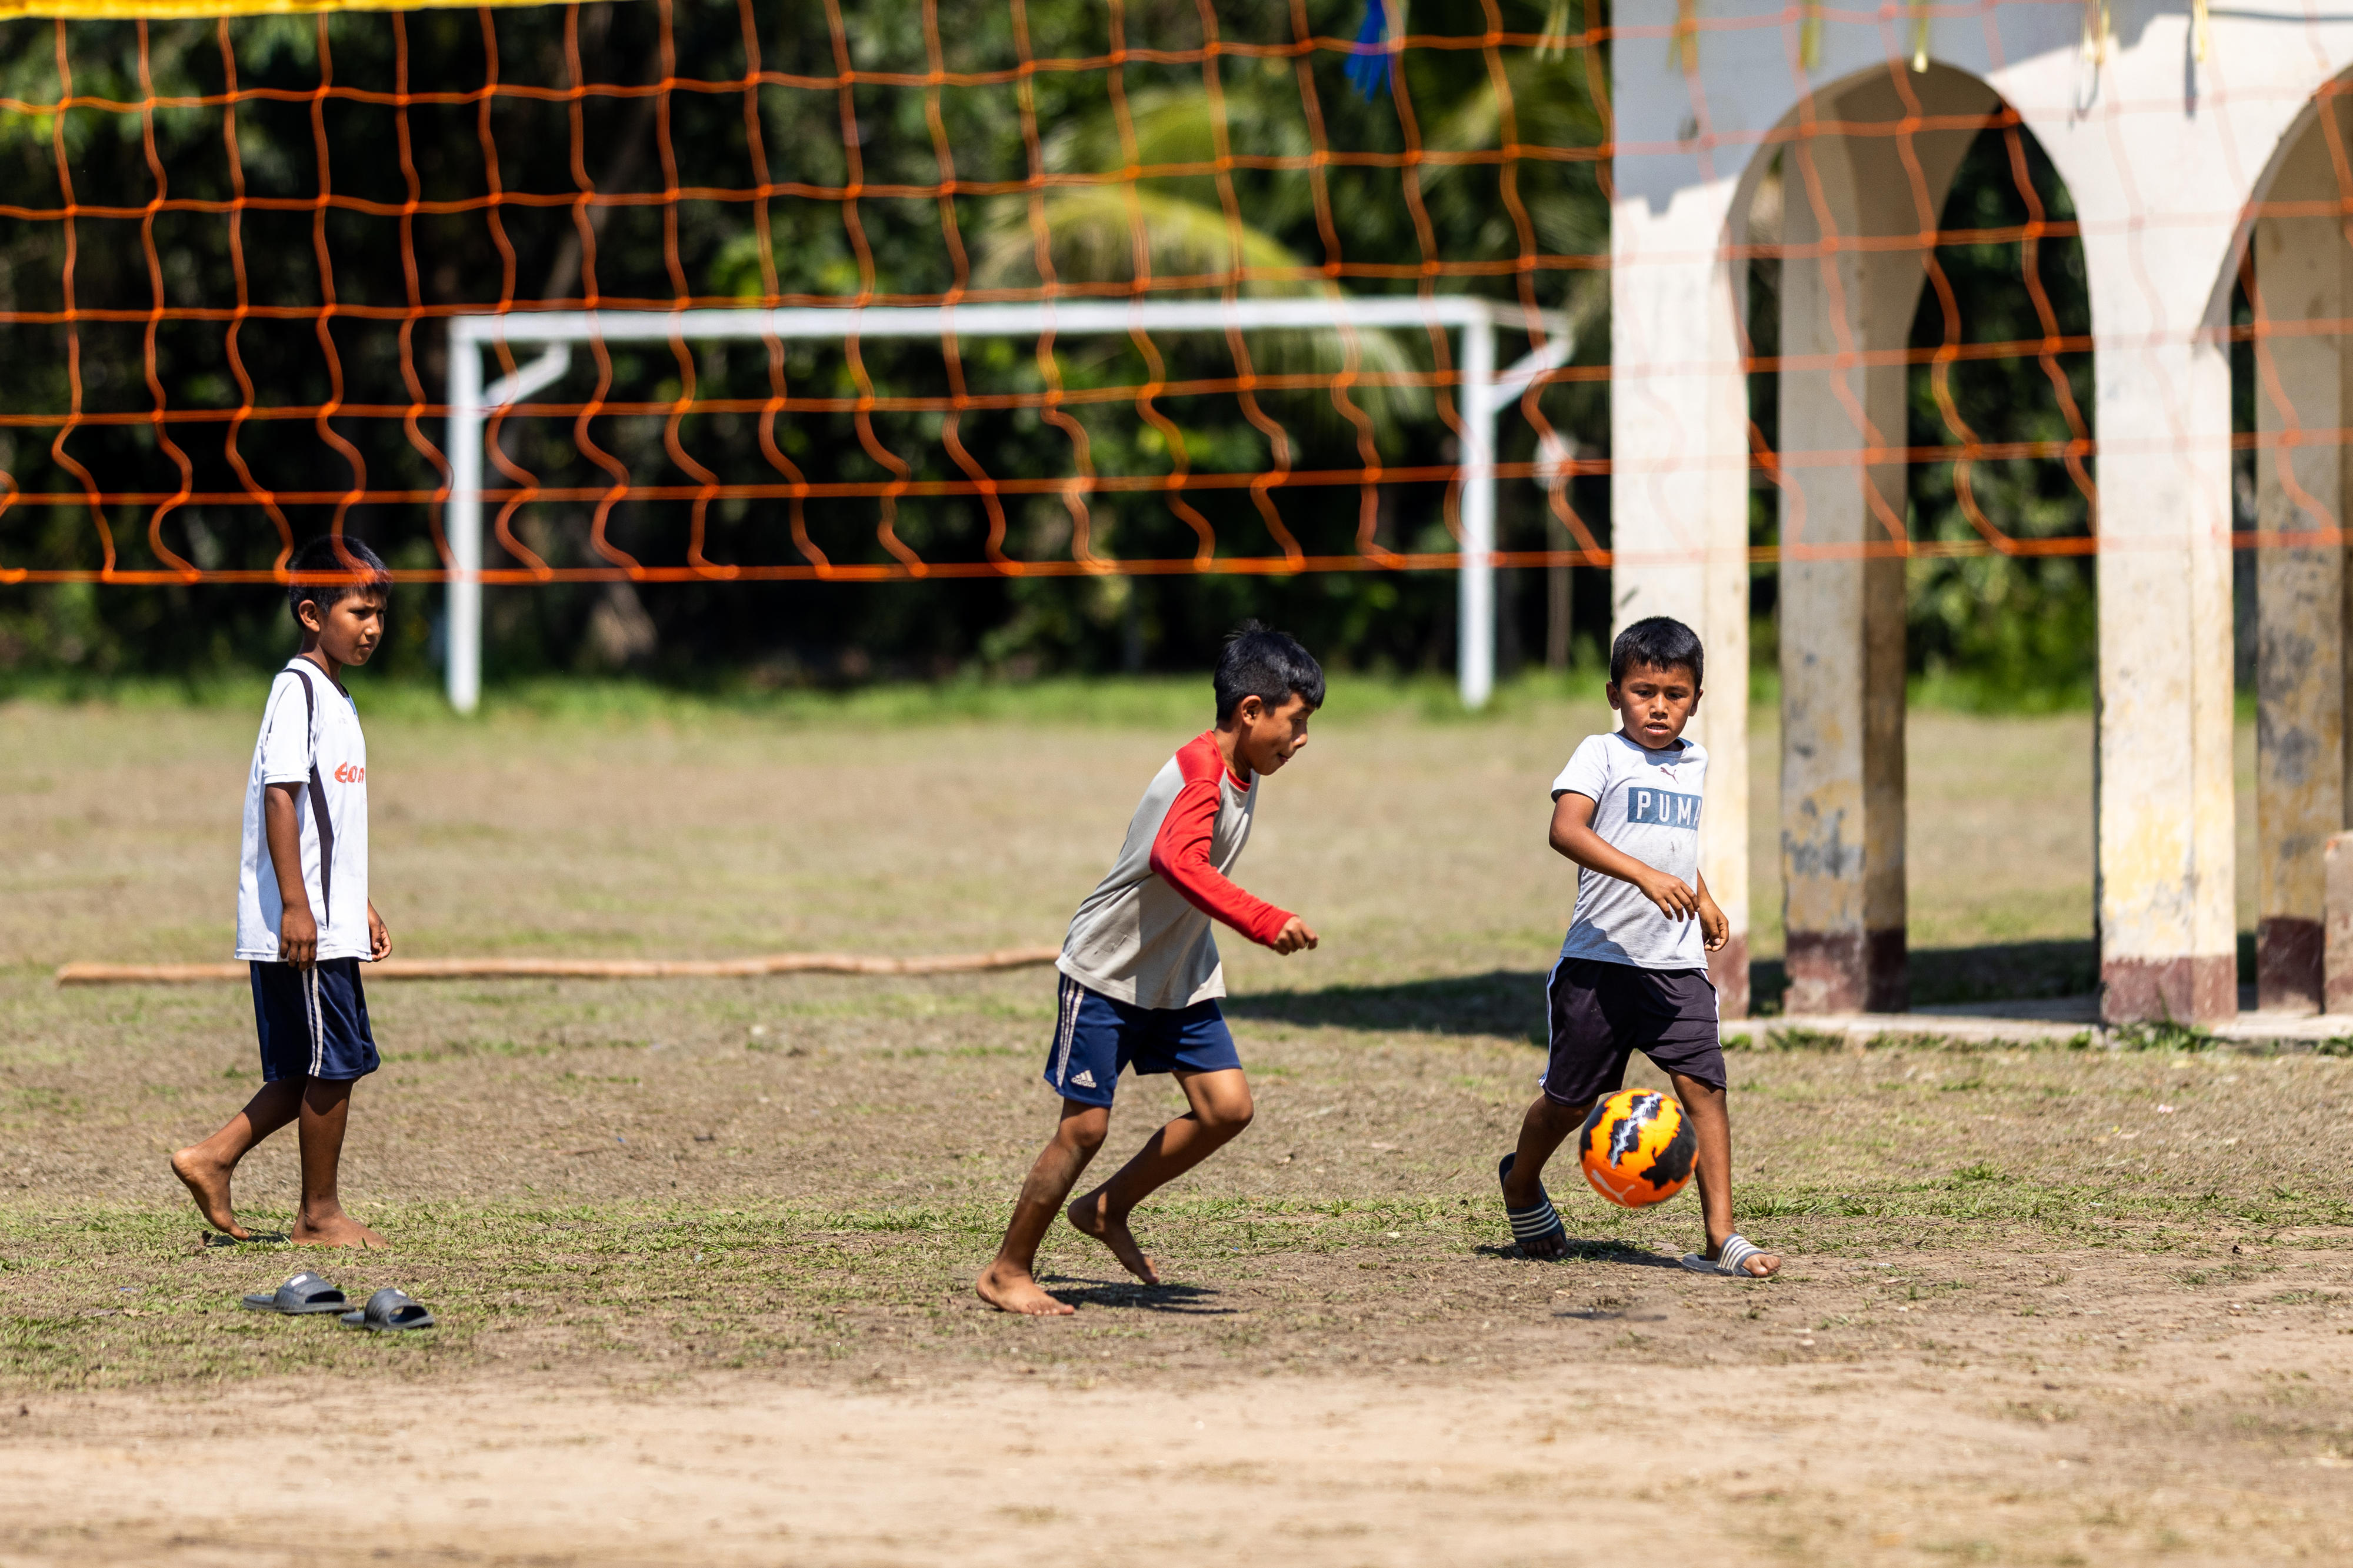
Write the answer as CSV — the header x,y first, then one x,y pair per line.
x,y
1633,972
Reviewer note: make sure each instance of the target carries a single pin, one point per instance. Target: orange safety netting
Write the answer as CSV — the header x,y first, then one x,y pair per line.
x,y
158,436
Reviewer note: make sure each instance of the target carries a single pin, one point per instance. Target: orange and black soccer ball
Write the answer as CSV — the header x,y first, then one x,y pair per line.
x,y
1637,1148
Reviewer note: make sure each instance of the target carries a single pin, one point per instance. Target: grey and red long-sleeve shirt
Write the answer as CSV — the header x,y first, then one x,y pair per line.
x,y
1143,935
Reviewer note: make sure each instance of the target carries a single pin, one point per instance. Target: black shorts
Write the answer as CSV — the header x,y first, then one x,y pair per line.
x,y
1601,1013
312,1022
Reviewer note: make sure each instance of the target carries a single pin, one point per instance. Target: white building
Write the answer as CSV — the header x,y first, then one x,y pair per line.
x,y
2183,139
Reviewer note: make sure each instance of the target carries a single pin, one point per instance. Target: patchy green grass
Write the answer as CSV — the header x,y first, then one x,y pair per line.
x,y
811,1168
123,1297
843,1236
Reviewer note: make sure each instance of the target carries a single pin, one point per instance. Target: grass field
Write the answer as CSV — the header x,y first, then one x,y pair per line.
x,y
702,1250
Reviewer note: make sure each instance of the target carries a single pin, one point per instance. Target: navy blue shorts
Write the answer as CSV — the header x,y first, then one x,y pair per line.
x,y
1094,1037
312,1022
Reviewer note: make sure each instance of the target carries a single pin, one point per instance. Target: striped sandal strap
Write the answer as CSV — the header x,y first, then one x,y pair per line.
x,y
1737,1250
1538,1221
1535,1222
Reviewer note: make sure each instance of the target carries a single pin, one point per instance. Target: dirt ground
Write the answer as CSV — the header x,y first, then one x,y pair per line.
x,y
2142,1430
702,1250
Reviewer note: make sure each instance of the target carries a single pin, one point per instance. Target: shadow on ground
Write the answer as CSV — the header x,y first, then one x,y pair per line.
x,y
1949,976
1510,1002
1505,1002
1184,1300
1583,1251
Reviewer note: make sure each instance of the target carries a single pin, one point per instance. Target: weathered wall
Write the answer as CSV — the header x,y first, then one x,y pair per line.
x,y
2299,265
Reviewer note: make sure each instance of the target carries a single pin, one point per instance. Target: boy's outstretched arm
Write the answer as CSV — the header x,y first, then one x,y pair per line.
x,y
1573,836
1180,856
298,932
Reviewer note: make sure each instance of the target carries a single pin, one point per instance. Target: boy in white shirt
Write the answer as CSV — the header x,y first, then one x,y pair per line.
x,y
1633,974
303,919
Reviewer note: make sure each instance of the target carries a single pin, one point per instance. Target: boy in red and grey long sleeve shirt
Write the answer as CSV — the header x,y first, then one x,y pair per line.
x,y
1141,975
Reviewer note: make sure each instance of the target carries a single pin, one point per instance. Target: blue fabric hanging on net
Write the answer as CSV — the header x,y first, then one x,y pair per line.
x,y
1370,72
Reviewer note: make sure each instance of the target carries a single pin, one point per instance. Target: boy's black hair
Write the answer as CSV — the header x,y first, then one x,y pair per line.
x,y
1269,664
1657,642
325,577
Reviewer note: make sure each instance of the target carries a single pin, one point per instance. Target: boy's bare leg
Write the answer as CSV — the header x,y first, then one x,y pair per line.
x,y
1221,1107
1712,1123
206,1167
326,1106
1543,1129
1009,1282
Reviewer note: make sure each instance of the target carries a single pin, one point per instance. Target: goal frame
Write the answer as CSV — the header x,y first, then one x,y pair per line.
x,y
1481,392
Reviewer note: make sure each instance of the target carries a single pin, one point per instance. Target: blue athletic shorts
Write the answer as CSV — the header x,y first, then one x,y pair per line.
x,y
1094,1037
312,1022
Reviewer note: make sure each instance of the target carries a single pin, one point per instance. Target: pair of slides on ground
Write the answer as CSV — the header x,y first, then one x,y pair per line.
x,y
388,1311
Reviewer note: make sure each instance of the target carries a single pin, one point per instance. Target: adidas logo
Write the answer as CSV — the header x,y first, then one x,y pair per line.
x,y
1085,1079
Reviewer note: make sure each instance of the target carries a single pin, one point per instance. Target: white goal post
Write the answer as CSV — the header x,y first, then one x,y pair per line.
x,y
1481,394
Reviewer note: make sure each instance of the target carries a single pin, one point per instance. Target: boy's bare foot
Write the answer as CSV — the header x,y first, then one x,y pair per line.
x,y
1010,1289
207,1181
338,1230
1092,1215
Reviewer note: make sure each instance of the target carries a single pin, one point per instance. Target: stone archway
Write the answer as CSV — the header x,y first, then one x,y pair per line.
x,y
2295,266
2152,148
1863,175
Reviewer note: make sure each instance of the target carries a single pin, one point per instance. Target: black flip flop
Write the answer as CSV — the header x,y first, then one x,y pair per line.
x,y
1539,1222
305,1293
389,1312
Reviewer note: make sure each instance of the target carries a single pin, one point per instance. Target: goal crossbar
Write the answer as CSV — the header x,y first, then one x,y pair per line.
x,y
1482,393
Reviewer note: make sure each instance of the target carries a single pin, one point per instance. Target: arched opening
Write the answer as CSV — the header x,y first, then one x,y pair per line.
x,y
2290,402
1920,403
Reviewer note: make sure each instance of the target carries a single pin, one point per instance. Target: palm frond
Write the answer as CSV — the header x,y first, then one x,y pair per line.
x,y
1091,234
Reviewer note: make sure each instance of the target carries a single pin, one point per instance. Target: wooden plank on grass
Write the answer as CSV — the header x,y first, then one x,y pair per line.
x,y
583,968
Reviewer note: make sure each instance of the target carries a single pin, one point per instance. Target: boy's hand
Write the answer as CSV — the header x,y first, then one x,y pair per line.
x,y
1671,894
1714,929
1573,836
298,938
1293,936
379,937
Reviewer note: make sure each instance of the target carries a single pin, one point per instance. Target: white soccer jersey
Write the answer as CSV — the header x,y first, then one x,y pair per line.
x,y
310,736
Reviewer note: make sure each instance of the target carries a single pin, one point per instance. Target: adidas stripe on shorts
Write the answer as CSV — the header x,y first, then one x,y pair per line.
x,y
1095,1037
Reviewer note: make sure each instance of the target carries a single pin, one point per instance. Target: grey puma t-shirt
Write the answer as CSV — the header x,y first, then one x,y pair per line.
x,y
1646,804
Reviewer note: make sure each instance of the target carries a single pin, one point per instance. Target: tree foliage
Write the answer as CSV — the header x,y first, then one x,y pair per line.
x,y
2012,629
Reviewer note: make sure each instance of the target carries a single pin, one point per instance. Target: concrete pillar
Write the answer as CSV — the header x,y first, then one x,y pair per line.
x,y
2301,776
1843,494
2168,946
1679,492
2337,875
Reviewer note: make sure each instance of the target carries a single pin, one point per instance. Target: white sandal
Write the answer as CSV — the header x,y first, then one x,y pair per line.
x,y
1737,1250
